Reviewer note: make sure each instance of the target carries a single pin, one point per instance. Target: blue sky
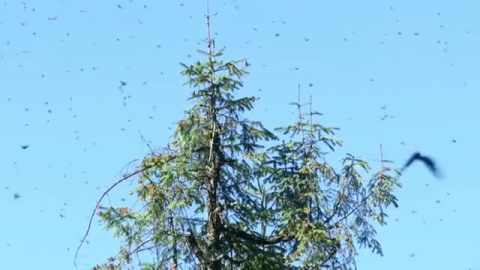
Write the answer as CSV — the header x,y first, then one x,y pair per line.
x,y
417,58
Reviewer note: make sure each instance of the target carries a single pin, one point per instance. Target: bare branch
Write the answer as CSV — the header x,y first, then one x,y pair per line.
x,y
127,176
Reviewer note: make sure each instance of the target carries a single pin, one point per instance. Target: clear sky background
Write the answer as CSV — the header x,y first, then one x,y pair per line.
x,y
62,63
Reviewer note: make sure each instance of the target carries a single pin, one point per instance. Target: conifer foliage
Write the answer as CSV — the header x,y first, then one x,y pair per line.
x,y
218,198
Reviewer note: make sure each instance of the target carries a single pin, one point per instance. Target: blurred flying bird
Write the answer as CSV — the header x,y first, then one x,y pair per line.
x,y
429,162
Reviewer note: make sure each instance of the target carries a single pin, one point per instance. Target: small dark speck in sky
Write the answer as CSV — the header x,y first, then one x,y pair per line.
x,y
16,196
25,147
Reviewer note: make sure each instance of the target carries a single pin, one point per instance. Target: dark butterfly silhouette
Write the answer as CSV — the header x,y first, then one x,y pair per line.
x,y
429,162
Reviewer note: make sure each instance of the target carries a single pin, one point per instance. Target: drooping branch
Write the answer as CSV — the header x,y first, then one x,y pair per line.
x,y
125,177
98,203
258,239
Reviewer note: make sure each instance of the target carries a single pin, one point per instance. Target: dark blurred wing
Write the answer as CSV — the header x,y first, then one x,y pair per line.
x,y
430,163
409,162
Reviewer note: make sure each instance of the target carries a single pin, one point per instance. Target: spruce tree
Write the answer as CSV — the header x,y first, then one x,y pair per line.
x,y
218,198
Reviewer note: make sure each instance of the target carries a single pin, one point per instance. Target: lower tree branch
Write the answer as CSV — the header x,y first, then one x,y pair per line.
x,y
258,239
